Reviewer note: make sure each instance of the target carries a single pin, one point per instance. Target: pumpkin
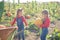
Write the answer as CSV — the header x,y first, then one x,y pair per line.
x,y
28,16
38,22
8,14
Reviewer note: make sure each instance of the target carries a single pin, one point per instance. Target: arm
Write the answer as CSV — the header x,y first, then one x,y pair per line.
x,y
13,21
24,20
46,23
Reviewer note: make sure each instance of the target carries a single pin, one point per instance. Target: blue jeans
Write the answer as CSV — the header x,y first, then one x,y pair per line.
x,y
44,33
21,35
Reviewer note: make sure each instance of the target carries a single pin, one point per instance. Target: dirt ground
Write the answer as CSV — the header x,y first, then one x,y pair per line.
x,y
33,36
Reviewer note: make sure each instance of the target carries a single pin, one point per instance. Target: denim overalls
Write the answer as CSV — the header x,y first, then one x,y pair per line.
x,y
20,27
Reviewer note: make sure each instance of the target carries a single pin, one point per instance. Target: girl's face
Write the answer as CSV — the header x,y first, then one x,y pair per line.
x,y
19,14
45,16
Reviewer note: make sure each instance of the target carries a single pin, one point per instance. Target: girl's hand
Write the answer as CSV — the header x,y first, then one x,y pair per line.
x,y
27,27
11,25
16,27
39,26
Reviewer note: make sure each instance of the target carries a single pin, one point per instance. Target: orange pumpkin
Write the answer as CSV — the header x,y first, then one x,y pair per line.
x,y
38,22
28,16
8,14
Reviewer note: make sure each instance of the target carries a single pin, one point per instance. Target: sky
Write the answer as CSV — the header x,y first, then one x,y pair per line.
x,y
24,1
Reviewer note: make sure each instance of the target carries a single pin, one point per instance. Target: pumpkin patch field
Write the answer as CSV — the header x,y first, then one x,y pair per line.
x,y
32,11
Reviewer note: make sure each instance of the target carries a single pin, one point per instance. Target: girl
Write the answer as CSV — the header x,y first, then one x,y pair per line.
x,y
20,19
45,25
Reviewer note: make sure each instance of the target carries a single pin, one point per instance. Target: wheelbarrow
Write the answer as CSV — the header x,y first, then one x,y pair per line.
x,y
7,33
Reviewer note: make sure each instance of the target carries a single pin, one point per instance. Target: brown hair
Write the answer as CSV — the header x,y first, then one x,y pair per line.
x,y
19,10
45,12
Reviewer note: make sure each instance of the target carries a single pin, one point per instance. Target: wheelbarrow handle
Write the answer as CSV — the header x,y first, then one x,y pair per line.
x,y
20,31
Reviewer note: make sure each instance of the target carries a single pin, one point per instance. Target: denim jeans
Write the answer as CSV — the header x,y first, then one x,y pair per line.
x,y
44,33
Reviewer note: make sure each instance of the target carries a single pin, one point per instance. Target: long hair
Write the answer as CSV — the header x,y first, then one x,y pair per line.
x,y
19,10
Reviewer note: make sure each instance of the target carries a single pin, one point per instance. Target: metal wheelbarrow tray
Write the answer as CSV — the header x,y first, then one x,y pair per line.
x,y
5,33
